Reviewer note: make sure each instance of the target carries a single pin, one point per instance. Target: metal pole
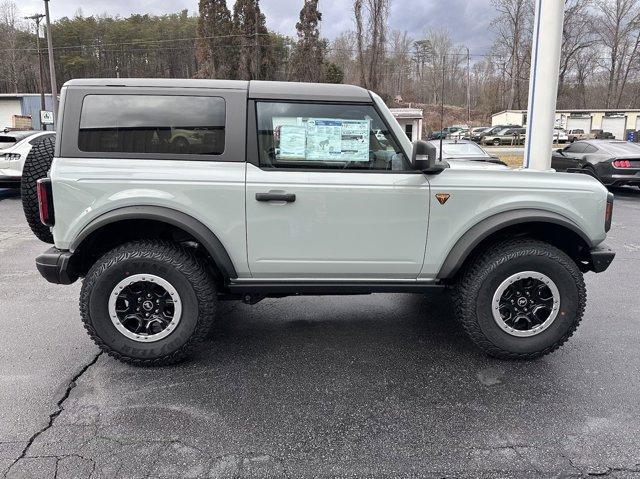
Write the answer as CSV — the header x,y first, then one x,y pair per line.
x,y
468,86
543,83
257,18
52,68
36,18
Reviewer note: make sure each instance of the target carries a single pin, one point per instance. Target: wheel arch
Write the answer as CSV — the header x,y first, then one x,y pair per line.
x,y
545,225
114,227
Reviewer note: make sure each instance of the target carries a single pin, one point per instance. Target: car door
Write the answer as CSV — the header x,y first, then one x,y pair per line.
x,y
326,198
570,157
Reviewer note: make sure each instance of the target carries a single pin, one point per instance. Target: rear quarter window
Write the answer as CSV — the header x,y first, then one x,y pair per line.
x,y
149,124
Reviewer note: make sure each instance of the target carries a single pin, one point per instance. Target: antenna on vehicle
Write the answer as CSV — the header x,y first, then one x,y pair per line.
x,y
442,109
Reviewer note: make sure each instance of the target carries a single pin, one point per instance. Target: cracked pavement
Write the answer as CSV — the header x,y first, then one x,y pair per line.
x,y
366,386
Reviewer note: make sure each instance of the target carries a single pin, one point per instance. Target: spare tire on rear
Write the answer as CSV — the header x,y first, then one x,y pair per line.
x,y
36,166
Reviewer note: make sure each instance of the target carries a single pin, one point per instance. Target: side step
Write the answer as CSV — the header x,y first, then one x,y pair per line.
x,y
265,289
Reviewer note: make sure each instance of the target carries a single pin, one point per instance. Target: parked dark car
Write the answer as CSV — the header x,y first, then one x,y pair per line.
x,y
602,135
476,133
613,162
493,130
506,136
436,135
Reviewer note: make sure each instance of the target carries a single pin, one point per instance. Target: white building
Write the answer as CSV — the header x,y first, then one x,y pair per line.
x,y
616,122
410,120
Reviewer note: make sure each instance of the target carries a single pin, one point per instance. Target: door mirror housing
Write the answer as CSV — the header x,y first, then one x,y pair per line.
x,y
424,158
560,150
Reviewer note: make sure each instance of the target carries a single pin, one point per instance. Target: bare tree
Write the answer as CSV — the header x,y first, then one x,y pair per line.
x,y
12,60
371,37
514,18
577,35
619,32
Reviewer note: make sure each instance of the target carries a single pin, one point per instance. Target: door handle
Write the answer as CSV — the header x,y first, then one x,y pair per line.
x,y
286,197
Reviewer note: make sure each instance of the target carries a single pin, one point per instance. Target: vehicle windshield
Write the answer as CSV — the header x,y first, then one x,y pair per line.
x,y
460,150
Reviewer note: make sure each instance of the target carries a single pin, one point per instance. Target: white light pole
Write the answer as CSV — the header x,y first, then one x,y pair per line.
x,y
543,83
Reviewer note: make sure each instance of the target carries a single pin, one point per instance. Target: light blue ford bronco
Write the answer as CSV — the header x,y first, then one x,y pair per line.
x,y
170,197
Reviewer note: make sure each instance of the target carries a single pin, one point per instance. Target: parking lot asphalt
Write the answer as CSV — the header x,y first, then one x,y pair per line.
x,y
384,385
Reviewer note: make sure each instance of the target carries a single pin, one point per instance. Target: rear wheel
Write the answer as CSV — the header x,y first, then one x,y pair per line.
x,y
148,302
36,166
520,299
496,142
592,171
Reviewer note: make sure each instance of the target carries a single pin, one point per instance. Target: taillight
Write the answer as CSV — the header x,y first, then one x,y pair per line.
x,y
608,214
45,201
622,164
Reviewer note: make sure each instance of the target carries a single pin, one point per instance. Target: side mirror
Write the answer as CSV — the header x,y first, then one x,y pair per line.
x,y
423,158
560,150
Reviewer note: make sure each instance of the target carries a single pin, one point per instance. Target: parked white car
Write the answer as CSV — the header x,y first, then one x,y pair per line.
x,y
460,134
13,156
560,135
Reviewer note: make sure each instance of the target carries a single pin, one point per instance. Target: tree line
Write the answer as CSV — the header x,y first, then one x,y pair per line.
x,y
600,62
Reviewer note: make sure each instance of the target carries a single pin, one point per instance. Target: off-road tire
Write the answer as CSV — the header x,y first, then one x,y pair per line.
x,y
174,263
36,166
477,283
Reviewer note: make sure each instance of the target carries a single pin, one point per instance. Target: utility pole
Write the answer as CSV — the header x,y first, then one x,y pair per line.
x,y
468,86
52,68
36,18
255,26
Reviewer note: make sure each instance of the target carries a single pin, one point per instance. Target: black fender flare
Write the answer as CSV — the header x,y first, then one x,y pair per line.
x,y
481,230
195,228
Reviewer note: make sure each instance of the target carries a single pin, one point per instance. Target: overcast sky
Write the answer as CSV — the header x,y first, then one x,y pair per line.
x,y
468,20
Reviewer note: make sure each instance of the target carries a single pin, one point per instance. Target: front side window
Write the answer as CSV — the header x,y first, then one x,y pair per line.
x,y
326,136
152,124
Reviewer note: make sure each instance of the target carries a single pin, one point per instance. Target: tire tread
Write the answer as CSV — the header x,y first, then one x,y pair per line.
x,y
36,166
476,272
183,259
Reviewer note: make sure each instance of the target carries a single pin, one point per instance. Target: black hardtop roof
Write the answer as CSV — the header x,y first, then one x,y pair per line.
x,y
256,89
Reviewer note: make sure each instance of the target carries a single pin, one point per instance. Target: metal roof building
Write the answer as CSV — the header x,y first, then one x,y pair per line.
x,y
616,122
22,104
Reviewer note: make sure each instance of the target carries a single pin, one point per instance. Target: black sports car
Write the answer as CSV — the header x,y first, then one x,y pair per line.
x,y
613,162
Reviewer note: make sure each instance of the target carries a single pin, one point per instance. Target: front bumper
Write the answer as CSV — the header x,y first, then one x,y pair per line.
x,y
56,266
600,258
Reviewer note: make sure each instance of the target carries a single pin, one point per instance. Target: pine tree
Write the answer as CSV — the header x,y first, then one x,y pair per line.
x,y
215,46
307,62
255,59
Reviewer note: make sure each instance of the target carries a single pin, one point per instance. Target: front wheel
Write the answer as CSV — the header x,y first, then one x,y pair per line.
x,y
521,299
496,142
148,302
